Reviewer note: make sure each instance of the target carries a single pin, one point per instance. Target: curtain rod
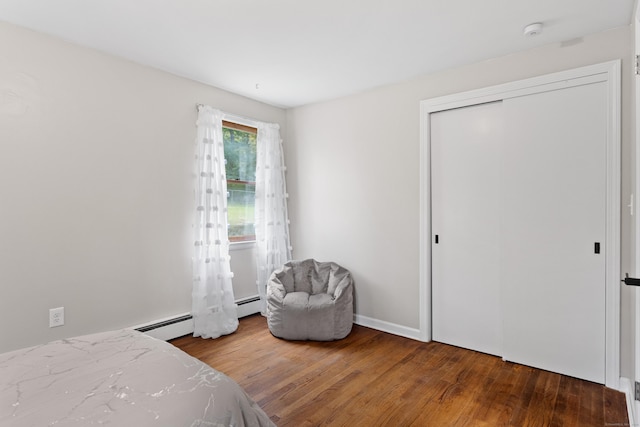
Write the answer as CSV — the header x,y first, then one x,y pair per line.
x,y
235,118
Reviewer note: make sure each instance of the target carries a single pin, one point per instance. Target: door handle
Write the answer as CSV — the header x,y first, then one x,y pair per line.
x,y
630,281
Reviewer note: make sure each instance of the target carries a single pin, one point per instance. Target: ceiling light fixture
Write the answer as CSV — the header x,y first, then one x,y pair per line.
x,y
533,29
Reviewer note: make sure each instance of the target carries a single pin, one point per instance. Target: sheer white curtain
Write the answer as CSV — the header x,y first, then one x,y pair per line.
x,y
272,223
213,304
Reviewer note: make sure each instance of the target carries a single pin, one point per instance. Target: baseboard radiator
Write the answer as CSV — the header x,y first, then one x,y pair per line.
x,y
178,326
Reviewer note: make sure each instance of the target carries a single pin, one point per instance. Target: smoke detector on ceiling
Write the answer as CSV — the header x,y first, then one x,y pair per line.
x,y
533,29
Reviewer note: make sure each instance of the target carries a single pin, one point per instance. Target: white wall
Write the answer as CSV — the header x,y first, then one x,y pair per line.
x,y
354,170
96,188
95,183
633,301
243,265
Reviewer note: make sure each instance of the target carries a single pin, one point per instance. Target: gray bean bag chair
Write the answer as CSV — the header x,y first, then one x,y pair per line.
x,y
310,300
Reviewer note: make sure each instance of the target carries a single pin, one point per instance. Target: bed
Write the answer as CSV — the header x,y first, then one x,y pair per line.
x,y
118,378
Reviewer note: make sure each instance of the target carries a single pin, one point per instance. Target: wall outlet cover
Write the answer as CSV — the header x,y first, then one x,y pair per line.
x,y
56,317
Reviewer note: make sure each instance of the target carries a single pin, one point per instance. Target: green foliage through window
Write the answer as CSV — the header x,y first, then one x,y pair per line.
x,y
240,154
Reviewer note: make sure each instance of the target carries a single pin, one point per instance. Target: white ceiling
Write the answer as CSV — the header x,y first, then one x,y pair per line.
x,y
294,52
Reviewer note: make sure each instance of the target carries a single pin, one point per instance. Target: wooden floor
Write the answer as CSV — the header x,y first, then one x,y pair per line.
x,y
376,379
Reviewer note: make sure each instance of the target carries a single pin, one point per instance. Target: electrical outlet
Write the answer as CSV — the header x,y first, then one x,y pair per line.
x,y
56,317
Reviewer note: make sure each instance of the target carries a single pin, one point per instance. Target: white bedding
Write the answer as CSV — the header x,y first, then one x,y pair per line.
x,y
119,378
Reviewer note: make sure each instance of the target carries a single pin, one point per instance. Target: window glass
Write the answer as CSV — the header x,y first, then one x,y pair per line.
x,y
240,154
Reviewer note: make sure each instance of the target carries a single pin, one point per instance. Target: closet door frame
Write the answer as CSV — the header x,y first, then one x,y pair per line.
x,y
608,72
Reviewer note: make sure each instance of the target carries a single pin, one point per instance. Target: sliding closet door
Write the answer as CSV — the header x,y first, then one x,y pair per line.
x,y
465,191
553,230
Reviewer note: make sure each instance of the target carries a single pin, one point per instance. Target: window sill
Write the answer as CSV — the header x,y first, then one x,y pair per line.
x,y
238,246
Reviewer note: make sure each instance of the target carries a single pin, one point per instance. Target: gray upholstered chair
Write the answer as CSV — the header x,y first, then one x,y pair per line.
x,y
310,300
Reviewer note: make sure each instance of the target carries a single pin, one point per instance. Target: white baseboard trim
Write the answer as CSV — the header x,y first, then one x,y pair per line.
x,y
182,324
388,327
173,329
629,392
249,308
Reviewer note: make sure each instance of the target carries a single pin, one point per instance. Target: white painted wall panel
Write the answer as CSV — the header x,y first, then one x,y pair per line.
x,y
354,170
466,194
96,164
553,282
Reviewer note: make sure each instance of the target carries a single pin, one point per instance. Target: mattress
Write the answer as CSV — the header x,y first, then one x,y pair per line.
x,y
118,378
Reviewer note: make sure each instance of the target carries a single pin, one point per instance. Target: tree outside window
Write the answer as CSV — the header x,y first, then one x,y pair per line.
x,y
240,154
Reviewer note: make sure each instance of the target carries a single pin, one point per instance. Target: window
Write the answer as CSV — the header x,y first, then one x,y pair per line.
x,y
240,154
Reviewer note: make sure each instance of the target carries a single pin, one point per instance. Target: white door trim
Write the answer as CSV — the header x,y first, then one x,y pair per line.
x,y
634,409
608,72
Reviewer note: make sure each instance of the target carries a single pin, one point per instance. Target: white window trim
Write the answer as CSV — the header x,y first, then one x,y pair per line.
x,y
238,246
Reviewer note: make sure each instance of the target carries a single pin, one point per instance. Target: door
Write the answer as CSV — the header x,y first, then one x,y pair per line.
x,y
518,211
635,210
553,230
465,191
